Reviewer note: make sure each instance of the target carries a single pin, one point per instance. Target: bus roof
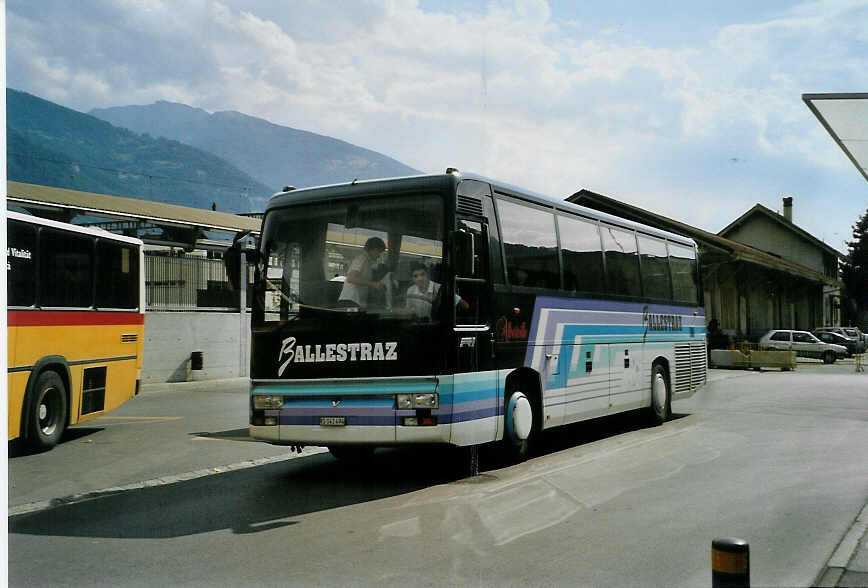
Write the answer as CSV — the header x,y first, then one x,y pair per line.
x,y
440,181
93,231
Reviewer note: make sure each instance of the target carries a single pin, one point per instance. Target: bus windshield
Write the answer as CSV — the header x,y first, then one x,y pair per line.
x,y
367,256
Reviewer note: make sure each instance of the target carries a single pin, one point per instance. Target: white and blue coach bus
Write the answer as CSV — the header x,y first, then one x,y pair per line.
x,y
454,309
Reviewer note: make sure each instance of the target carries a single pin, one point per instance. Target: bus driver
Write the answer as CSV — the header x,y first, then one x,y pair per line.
x,y
360,275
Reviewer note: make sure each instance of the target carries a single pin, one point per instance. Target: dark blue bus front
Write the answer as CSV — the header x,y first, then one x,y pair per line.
x,y
353,338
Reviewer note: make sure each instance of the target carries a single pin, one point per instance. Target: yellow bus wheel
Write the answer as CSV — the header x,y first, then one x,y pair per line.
x,y
46,411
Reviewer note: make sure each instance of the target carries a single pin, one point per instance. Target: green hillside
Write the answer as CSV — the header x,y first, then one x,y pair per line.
x,y
52,145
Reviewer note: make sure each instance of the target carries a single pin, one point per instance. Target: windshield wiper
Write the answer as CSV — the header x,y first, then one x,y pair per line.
x,y
300,304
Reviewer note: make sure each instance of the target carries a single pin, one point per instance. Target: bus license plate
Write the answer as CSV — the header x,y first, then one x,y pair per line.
x,y
332,421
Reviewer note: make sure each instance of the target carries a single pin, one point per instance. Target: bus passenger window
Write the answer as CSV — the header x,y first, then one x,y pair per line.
x,y
683,262
622,261
655,267
66,272
117,275
530,245
582,255
21,246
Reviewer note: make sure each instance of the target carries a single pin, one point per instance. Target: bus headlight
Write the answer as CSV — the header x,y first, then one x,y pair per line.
x,y
411,401
266,401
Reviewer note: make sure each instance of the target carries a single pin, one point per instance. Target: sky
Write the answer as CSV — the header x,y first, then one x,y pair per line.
x,y
692,110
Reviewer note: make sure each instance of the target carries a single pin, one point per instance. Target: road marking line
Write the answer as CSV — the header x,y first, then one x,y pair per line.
x,y
32,507
140,418
215,438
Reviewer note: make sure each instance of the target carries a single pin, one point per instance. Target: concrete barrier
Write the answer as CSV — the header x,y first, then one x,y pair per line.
x,y
773,359
734,358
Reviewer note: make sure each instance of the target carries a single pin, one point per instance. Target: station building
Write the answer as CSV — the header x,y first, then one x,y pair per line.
x,y
189,305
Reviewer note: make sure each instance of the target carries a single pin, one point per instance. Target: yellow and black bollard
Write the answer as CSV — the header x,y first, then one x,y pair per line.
x,y
730,563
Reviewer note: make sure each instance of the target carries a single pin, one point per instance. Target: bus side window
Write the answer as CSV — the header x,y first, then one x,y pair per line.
x,y
682,259
622,261
494,252
117,275
66,269
582,255
530,245
20,269
655,267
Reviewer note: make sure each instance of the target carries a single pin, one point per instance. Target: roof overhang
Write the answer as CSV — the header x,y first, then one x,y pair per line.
x,y
154,222
845,118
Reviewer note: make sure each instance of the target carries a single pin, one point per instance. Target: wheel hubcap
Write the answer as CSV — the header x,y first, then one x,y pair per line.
x,y
48,412
519,417
522,417
658,392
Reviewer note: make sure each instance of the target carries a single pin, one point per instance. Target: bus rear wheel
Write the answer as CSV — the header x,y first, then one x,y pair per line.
x,y
660,410
46,412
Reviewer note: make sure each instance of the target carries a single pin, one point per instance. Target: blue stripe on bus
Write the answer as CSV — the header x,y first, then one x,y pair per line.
x,y
463,397
556,302
593,322
349,388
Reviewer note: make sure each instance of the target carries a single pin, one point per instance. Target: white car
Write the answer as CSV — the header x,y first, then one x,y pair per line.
x,y
803,343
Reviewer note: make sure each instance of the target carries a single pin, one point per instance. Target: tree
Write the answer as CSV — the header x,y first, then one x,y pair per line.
x,y
854,274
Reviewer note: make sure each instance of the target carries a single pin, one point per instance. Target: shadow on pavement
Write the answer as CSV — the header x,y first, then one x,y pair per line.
x,y
270,496
18,448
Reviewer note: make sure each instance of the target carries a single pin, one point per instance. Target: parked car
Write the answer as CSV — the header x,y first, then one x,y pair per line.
x,y
803,343
858,335
852,333
852,345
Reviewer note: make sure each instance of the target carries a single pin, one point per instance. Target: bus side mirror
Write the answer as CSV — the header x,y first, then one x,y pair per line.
x,y
245,243
250,248
462,253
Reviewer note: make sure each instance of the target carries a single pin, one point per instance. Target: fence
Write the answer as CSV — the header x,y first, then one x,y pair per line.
x,y
187,283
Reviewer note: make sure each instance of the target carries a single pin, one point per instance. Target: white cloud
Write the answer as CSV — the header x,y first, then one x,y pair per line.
x,y
508,91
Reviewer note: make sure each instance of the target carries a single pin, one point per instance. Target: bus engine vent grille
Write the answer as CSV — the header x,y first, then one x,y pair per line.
x,y
690,366
468,205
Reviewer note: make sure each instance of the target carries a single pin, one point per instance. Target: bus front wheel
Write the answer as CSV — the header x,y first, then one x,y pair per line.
x,y
520,420
661,396
46,418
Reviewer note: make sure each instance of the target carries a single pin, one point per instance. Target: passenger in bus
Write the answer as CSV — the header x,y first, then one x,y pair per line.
x,y
422,293
360,275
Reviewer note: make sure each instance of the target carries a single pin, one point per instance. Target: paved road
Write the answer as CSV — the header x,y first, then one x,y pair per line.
x,y
775,458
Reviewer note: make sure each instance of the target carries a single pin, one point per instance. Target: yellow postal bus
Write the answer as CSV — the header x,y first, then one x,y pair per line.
x,y
75,321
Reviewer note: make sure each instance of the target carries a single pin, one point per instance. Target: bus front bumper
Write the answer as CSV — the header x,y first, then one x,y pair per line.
x,y
345,412
351,435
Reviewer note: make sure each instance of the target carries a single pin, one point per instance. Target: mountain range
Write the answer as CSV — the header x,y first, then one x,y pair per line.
x,y
174,153
51,145
275,155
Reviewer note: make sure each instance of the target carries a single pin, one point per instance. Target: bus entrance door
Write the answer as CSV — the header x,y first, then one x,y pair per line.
x,y
475,398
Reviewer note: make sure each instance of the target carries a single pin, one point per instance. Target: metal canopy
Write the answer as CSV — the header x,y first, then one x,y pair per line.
x,y
845,117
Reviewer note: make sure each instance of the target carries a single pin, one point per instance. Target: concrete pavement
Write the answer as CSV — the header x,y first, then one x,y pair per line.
x,y
847,565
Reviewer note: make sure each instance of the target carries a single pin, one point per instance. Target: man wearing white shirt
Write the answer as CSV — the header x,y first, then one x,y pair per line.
x,y
360,275
421,294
